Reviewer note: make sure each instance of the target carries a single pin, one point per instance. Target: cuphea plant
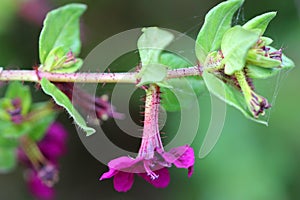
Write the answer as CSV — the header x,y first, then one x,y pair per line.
x,y
229,58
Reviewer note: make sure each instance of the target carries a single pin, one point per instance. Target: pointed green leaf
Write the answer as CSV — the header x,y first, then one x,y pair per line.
x,y
185,89
217,22
7,159
260,22
61,99
235,46
61,28
18,90
57,62
151,43
286,63
266,40
55,59
260,72
70,69
228,94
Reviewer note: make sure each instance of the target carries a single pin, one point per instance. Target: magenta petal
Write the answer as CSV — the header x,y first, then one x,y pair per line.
x,y
190,171
123,163
185,156
52,151
38,188
108,174
162,181
123,181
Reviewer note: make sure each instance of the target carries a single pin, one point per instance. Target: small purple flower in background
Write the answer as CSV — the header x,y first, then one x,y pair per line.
x,y
89,104
15,113
42,160
34,10
152,161
38,188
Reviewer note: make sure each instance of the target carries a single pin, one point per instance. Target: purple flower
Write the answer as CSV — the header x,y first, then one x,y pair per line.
x,y
37,187
15,111
42,160
89,104
152,170
152,161
53,145
34,11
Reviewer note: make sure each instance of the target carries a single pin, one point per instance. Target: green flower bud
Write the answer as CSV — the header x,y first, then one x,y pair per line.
x,y
262,58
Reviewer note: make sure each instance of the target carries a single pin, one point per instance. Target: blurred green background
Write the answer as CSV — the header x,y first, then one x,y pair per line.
x,y
250,161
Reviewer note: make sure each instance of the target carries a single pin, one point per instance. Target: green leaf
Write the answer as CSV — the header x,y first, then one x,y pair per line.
x,y
4,104
228,94
217,22
235,46
153,73
39,128
12,130
18,90
260,22
55,59
151,43
8,142
40,125
61,99
260,72
59,62
7,159
70,69
9,11
260,60
286,63
266,40
183,89
61,29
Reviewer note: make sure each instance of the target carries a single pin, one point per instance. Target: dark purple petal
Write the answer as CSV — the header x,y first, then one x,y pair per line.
x,y
190,171
123,181
162,181
38,188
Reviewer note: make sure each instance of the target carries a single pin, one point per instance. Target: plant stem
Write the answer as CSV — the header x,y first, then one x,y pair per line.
x,y
81,77
151,136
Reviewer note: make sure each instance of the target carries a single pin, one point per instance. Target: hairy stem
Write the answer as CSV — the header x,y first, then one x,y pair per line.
x,y
81,77
151,136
